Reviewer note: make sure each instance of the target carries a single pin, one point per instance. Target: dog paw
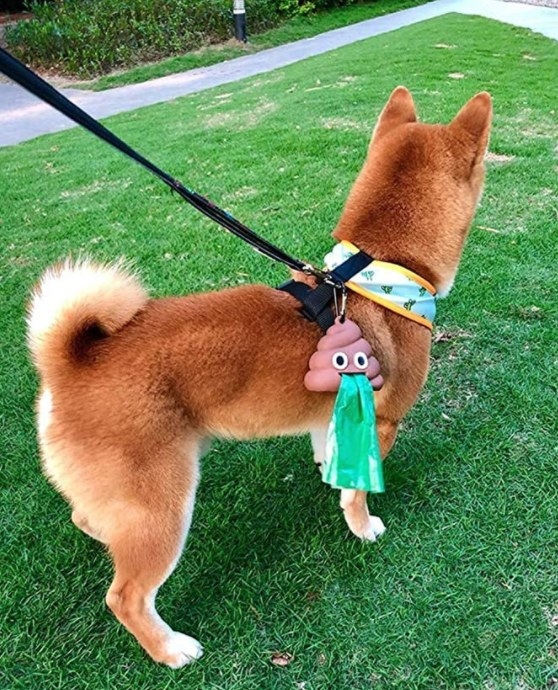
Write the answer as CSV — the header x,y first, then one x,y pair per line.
x,y
374,529
180,650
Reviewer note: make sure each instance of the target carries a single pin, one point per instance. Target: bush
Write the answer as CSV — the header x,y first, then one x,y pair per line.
x,y
291,7
91,37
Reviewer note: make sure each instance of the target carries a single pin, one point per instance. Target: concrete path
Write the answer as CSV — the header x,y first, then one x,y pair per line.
x,y
24,117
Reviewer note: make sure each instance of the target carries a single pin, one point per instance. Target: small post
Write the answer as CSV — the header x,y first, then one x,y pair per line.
x,y
239,20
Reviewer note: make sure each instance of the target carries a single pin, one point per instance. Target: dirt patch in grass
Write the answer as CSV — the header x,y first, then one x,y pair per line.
x,y
344,123
241,120
498,158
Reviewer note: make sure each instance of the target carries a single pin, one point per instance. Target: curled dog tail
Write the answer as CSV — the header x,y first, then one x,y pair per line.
x,y
75,305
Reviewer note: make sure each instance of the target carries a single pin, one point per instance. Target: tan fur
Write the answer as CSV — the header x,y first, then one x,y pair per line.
x,y
132,387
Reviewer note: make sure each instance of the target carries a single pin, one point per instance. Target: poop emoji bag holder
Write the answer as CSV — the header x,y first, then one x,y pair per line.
x,y
341,364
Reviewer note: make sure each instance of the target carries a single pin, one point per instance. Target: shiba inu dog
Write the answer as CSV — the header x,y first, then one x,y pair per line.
x,y
132,387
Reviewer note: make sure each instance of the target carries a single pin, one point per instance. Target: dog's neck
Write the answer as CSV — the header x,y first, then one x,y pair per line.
x,y
395,226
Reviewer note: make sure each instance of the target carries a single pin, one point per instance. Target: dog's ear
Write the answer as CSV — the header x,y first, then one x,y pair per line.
x,y
399,110
475,119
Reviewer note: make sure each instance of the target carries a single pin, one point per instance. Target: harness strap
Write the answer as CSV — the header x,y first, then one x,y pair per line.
x,y
317,310
316,302
353,265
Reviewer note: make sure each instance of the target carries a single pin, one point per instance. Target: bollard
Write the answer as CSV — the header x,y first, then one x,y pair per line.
x,y
239,20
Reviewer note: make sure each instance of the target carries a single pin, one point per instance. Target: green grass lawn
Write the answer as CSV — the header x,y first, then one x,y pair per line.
x,y
294,29
462,592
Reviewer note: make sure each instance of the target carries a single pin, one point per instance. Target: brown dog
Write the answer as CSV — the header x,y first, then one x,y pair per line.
x,y
132,387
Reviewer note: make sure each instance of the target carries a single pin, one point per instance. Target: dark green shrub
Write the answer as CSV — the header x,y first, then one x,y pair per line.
x,y
91,37
290,7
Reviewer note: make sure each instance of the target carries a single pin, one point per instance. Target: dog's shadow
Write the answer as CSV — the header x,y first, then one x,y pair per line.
x,y
262,510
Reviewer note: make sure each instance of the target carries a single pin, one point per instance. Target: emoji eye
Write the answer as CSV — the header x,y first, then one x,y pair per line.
x,y
340,361
360,361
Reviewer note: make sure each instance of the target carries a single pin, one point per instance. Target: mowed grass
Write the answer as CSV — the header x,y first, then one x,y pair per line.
x,y
462,592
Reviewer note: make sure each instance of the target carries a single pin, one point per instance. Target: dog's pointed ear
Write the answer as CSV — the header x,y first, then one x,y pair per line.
x,y
475,119
399,110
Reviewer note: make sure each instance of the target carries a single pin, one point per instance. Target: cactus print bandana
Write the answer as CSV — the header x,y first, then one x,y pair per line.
x,y
390,285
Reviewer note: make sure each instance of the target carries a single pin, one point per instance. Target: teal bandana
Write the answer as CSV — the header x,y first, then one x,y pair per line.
x,y
390,285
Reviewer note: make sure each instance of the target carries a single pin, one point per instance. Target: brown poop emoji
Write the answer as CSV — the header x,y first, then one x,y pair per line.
x,y
342,350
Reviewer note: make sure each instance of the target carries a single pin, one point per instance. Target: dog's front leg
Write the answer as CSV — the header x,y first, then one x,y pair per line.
x,y
361,523
353,501
319,440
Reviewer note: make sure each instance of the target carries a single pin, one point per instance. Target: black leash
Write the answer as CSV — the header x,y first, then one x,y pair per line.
x,y
25,77
315,301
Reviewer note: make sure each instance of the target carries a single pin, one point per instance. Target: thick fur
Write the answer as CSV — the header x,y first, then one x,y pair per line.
x,y
132,387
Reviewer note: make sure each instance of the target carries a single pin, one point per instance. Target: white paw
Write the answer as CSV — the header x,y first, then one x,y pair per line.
x,y
374,530
181,650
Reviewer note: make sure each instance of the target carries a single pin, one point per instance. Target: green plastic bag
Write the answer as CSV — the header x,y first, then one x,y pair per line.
x,y
353,459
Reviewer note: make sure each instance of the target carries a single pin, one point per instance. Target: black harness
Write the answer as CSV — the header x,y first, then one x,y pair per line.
x,y
315,301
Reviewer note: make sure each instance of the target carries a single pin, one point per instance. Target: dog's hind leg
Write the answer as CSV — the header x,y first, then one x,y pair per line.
x,y
145,549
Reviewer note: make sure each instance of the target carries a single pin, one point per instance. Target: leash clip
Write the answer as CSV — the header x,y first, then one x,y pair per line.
x,y
340,309
310,270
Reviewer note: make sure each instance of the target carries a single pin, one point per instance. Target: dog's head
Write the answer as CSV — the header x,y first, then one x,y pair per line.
x,y
415,197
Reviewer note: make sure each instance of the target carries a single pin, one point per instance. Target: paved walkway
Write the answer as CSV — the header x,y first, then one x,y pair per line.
x,y
23,117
